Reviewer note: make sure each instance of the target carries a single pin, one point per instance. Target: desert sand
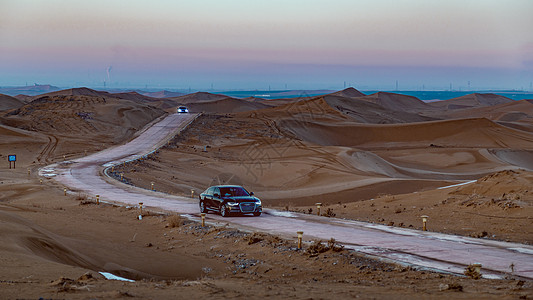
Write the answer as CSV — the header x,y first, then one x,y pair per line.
x,y
378,158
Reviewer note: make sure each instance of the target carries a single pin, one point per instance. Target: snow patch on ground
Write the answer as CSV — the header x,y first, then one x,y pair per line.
x,y
459,184
110,276
522,250
285,214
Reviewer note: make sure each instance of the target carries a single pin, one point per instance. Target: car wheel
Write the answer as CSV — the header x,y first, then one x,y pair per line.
x,y
257,214
203,209
224,210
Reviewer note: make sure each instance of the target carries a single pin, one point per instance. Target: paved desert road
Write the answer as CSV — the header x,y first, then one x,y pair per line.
x,y
442,252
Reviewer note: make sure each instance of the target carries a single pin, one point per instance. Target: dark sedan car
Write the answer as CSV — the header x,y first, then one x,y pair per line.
x,y
229,199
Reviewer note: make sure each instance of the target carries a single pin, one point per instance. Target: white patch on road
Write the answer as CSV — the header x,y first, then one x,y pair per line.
x,y
522,250
285,214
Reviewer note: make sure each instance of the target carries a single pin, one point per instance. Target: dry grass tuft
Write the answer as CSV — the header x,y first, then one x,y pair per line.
x,y
471,272
318,247
175,221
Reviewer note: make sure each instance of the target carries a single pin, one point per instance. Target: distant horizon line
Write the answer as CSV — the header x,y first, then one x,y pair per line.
x,y
211,90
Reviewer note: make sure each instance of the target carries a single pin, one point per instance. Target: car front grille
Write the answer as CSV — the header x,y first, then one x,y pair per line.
x,y
247,207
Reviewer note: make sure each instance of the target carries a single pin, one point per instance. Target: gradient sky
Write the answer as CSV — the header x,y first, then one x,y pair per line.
x,y
252,44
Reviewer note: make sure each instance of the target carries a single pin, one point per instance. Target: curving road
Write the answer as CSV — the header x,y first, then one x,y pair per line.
x,y
443,252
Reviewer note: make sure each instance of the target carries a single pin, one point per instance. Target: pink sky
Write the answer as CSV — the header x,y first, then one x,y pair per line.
x,y
243,44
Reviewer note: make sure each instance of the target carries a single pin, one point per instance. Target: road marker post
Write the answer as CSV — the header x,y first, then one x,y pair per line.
x,y
65,191
192,193
424,221
203,219
121,176
40,180
141,210
29,171
300,236
64,157
112,168
152,186
98,199
318,205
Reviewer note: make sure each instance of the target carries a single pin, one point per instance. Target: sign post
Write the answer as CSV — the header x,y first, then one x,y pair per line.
x,y
12,158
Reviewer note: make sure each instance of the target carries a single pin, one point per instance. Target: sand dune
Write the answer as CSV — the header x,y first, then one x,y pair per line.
x,y
369,112
516,157
225,105
453,133
363,157
8,102
472,100
163,94
74,115
199,97
514,111
396,102
82,91
349,92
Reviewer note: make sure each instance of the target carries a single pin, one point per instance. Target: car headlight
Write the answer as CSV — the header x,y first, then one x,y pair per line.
x,y
258,202
233,203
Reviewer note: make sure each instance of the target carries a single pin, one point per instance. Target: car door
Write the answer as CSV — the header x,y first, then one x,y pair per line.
x,y
208,197
217,200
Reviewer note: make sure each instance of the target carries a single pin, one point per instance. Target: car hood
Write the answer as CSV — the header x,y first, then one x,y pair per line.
x,y
242,199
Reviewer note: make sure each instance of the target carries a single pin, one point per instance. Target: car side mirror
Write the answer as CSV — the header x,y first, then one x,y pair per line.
x,y
251,193
216,195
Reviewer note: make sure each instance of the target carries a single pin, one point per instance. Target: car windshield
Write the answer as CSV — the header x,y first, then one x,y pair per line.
x,y
233,192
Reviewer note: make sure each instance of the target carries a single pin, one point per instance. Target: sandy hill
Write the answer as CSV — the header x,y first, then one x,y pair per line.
x,y
163,94
24,98
505,185
225,105
514,111
349,92
84,117
475,133
8,102
136,97
371,112
199,97
301,109
472,100
336,107
83,91
162,103
396,102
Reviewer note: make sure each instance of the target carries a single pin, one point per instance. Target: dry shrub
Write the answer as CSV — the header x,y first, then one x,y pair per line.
x,y
84,200
175,221
318,247
255,238
329,213
471,272
333,246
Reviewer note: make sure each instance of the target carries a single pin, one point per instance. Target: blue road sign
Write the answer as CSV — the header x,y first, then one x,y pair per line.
x,y
12,158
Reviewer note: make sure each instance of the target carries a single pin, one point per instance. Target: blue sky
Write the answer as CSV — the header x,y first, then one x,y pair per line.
x,y
255,44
